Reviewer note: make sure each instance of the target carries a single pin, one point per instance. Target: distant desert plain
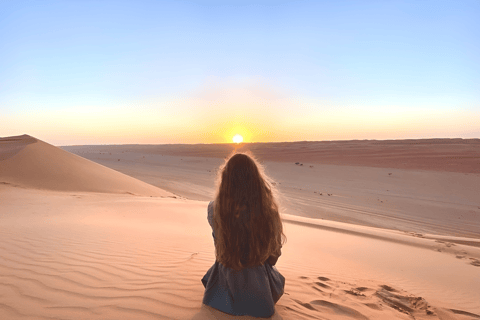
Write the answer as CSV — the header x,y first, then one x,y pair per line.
x,y
375,229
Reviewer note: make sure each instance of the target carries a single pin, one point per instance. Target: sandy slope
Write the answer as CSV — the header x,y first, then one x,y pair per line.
x,y
32,163
83,255
81,241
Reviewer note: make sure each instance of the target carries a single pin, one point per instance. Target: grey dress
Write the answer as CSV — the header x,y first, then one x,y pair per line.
x,y
250,291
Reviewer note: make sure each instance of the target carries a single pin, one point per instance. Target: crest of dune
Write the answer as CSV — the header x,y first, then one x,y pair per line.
x,y
31,163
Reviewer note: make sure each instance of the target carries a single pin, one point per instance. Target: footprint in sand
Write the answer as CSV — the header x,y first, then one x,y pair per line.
x,y
383,299
373,306
338,309
354,292
388,288
322,285
475,262
403,302
447,244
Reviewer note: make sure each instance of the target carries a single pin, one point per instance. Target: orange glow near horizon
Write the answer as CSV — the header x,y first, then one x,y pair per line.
x,y
151,128
215,114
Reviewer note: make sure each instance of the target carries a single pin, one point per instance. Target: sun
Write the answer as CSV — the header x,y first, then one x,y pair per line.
x,y
237,138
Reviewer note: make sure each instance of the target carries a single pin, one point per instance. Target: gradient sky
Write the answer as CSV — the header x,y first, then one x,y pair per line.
x,y
111,72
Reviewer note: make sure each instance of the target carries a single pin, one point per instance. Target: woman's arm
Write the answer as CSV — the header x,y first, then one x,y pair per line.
x,y
210,213
210,218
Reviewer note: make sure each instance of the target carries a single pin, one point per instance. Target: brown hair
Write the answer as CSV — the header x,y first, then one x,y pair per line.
x,y
247,223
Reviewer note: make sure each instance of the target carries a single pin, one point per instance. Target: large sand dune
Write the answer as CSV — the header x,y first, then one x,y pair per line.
x,y
28,162
78,245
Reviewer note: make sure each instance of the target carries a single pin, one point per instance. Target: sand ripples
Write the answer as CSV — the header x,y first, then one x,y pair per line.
x,y
55,273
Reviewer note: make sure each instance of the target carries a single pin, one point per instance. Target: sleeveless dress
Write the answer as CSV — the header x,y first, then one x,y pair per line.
x,y
249,291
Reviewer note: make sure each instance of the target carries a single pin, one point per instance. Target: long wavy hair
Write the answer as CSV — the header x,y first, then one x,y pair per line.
x,y
246,215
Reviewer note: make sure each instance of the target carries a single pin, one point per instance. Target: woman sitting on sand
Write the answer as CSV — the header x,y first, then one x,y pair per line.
x,y
248,236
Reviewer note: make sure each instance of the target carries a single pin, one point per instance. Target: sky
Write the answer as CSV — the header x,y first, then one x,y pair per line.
x,y
154,72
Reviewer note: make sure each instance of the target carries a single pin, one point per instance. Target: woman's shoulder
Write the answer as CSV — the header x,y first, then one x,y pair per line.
x,y
210,213
210,208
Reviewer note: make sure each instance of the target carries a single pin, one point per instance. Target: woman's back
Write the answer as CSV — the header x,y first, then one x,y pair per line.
x,y
248,233
249,291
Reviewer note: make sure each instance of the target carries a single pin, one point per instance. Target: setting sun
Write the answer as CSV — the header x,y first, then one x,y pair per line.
x,y
237,138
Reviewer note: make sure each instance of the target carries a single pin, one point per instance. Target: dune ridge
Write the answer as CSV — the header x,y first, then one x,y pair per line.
x,y
32,163
12,145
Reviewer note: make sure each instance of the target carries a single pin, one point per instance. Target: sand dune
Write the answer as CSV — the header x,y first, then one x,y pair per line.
x,y
75,244
88,255
28,162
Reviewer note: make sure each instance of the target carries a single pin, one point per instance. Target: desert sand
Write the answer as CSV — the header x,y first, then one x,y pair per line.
x,y
120,232
422,186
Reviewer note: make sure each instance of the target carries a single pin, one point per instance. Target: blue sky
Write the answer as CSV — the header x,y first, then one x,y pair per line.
x,y
66,61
